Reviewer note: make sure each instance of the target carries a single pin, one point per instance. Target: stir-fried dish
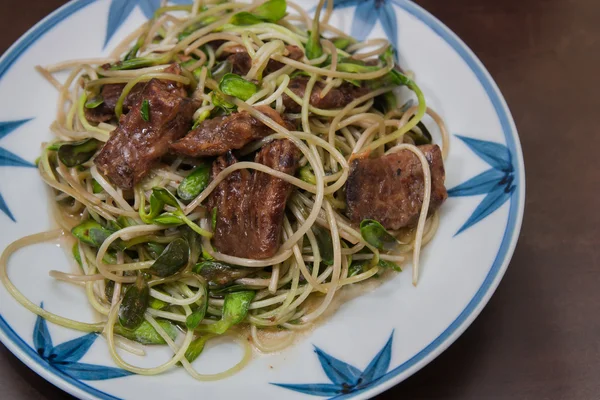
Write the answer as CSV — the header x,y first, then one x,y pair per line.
x,y
228,170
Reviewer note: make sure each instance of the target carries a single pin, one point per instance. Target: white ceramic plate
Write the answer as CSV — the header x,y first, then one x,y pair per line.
x,y
373,341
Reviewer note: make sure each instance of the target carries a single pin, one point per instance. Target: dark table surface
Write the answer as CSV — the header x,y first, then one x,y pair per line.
x,y
539,336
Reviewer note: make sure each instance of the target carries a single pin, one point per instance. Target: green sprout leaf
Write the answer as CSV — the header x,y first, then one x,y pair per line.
x,y
270,11
235,310
325,243
73,154
375,234
134,304
194,183
146,334
94,102
235,85
145,110
172,260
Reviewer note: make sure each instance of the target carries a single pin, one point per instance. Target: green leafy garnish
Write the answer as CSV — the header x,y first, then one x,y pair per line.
x,y
94,102
172,260
213,218
157,304
73,154
201,118
91,232
389,265
193,320
134,304
197,346
145,110
96,187
375,234
219,101
341,43
165,197
313,46
168,218
194,183
77,255
155,249
270,11
325,243
235,310
142,62
146,334
236,86
307,175
219,274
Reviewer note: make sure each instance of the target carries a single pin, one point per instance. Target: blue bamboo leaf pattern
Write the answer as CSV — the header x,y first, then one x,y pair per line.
x,y
387,16
121,9
314,389
366,15
9,126
117,14
148,7
380,364
73,350
89,372
336,370
65,356
495,154
4,208
483,183
344,377
496,183
338,4
42,341
364,20
490,203
8,159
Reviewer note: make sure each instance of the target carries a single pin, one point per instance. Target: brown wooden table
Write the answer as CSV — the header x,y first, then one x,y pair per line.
x,y
539,337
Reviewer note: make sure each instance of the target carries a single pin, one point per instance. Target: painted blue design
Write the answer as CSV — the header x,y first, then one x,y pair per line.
x,y
345,378
81,389
8,159
121,9
65,357
496,183
366,15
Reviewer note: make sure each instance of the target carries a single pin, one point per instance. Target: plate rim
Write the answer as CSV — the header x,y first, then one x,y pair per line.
x,y
400,373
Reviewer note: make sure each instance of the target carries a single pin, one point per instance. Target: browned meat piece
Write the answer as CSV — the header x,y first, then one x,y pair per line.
x,y
389,189
336,98
251,205
242,62
110,94
217,136
137,144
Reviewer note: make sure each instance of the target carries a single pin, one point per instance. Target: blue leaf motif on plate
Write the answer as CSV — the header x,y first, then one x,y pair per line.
x,y
366,15
148,7
380,363
89,372
364,20
65,356
117,14
336,370
42,340
121,9
73,350
344,377
496,183
8,159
